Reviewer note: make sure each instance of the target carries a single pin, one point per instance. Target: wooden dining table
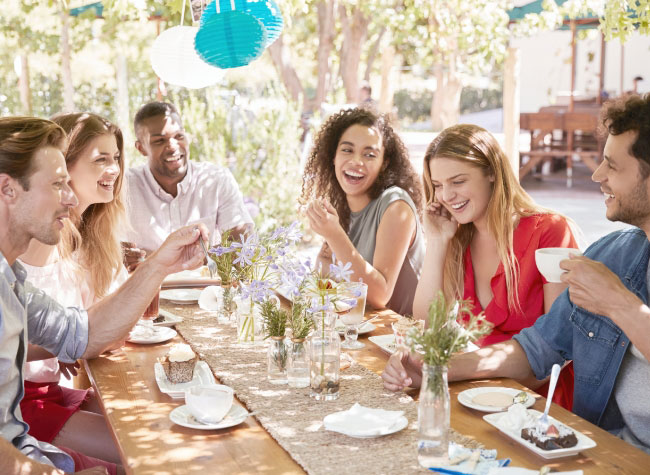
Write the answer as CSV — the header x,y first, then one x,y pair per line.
x,y
137,413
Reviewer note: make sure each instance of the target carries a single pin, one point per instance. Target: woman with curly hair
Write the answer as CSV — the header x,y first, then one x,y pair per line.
x,y
84,267
482,231
364,200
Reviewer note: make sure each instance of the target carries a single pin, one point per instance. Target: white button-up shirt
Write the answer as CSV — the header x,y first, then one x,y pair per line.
x,y
27,313
208,194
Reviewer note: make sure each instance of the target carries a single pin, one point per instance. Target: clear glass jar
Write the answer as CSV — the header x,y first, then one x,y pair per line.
x,y
250,323
227,308
433,417
298,365
324,361
278,356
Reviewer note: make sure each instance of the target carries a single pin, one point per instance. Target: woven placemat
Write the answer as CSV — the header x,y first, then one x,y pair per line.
x,y
294,419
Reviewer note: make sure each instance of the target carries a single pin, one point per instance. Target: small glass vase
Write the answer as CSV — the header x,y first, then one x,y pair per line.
x,y
250,323
324,360
227,308
298,365
278,356
433,417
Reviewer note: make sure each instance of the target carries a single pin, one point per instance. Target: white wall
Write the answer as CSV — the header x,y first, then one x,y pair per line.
x,y
546,66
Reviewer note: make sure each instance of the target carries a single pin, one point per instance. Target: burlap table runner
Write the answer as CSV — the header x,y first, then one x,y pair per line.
x,y
294,419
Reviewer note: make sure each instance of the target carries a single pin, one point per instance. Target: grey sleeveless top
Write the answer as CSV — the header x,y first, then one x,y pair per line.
x,y
363,234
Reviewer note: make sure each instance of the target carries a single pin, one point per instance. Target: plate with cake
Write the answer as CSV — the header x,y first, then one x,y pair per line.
x,y
145,334
179,370
494,398
166,319
181,296
559,440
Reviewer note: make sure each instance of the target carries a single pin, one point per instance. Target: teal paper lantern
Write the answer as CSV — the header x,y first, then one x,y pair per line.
x,y
266,11
230,39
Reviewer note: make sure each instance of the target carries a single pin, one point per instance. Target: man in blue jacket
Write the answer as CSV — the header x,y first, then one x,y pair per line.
x,y
602,321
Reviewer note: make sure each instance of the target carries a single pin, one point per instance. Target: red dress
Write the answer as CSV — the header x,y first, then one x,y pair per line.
x,y
532,232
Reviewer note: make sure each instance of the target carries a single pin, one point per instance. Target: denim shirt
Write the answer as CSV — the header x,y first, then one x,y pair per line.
x,y
594,343
30,314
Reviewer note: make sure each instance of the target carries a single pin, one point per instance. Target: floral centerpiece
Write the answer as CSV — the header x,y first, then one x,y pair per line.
x,y
448,332
275,324
223,257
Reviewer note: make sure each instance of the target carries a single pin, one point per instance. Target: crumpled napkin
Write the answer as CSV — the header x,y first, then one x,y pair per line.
x,y
210,297
362,421
525,471
487,460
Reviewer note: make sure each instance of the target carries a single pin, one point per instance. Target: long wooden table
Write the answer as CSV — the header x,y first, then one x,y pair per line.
x,y
149,443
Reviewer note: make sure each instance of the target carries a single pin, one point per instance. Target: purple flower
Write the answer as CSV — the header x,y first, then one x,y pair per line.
x,y
341,272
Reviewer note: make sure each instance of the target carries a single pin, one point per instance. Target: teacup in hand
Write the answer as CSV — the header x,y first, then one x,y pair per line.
x,y
548,261
209,403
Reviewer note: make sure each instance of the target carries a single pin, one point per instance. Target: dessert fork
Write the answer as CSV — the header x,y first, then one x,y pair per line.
x,y
542,422
212,266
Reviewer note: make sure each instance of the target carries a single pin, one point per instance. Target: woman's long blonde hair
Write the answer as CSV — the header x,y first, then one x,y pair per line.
x,y
94,234
508,202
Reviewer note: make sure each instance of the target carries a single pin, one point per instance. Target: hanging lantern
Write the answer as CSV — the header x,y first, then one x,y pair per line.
x,y
175,61
266,11
230,38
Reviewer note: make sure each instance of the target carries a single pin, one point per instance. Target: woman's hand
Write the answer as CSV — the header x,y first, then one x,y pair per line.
x,y
438,222
323,219
402,370
69,369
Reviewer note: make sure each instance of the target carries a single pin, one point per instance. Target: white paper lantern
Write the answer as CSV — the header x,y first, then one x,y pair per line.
x,y
175,61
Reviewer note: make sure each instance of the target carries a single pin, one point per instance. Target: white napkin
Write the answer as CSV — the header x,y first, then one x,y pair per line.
x,y
525,471
210,297
362,421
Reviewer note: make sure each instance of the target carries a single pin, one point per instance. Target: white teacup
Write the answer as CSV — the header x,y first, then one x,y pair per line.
x,y
209,403
548,261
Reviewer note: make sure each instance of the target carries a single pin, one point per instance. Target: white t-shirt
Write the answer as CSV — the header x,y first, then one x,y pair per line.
x,y
71,288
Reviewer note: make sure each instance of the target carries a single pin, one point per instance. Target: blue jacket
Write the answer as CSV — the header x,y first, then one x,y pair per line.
x,y
594,343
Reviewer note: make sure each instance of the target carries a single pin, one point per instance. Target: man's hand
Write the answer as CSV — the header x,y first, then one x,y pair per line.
x,y
181,250
132,255
595,288
69,369
402,371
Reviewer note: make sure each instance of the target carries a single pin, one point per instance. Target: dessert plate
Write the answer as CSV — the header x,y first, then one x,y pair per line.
x,y
182,416
385,342
466,398
156,335
202,376
190,278
181,296
584,442
365,327
169,319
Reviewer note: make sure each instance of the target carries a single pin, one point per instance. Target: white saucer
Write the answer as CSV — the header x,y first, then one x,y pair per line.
x,y
181,296
182,416
466,398
158,335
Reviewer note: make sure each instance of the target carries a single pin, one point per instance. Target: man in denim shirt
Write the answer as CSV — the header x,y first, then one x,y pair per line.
x,y
35,199
602,321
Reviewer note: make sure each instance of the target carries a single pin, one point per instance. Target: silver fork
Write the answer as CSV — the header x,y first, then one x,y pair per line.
x,y
542,421
212,266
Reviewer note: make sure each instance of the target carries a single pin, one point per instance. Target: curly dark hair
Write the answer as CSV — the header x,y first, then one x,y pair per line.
x,y
631,112
319,177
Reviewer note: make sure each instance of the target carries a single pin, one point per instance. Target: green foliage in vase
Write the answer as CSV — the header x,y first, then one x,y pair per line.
x,y
275,318
301,322
224,261
448,331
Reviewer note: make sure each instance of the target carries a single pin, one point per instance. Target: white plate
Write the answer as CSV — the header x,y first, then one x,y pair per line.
x,y
202,376
399,424
169,321
159,335
584,442
364,328
181,416
385,342
466,398
190,278
181,296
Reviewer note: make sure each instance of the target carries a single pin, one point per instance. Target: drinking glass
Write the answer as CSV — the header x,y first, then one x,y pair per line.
x,y
354,317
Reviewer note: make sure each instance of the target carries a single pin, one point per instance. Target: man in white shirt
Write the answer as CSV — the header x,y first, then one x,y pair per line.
x,y
171,191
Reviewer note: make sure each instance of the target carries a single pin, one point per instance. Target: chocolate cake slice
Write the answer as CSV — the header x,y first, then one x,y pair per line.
x,y
553,439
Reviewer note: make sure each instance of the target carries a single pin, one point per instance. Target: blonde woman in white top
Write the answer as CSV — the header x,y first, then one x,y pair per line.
x,y
84,267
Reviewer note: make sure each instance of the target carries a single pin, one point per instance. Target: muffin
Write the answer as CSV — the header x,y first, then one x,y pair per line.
x,y
402,327
179,363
